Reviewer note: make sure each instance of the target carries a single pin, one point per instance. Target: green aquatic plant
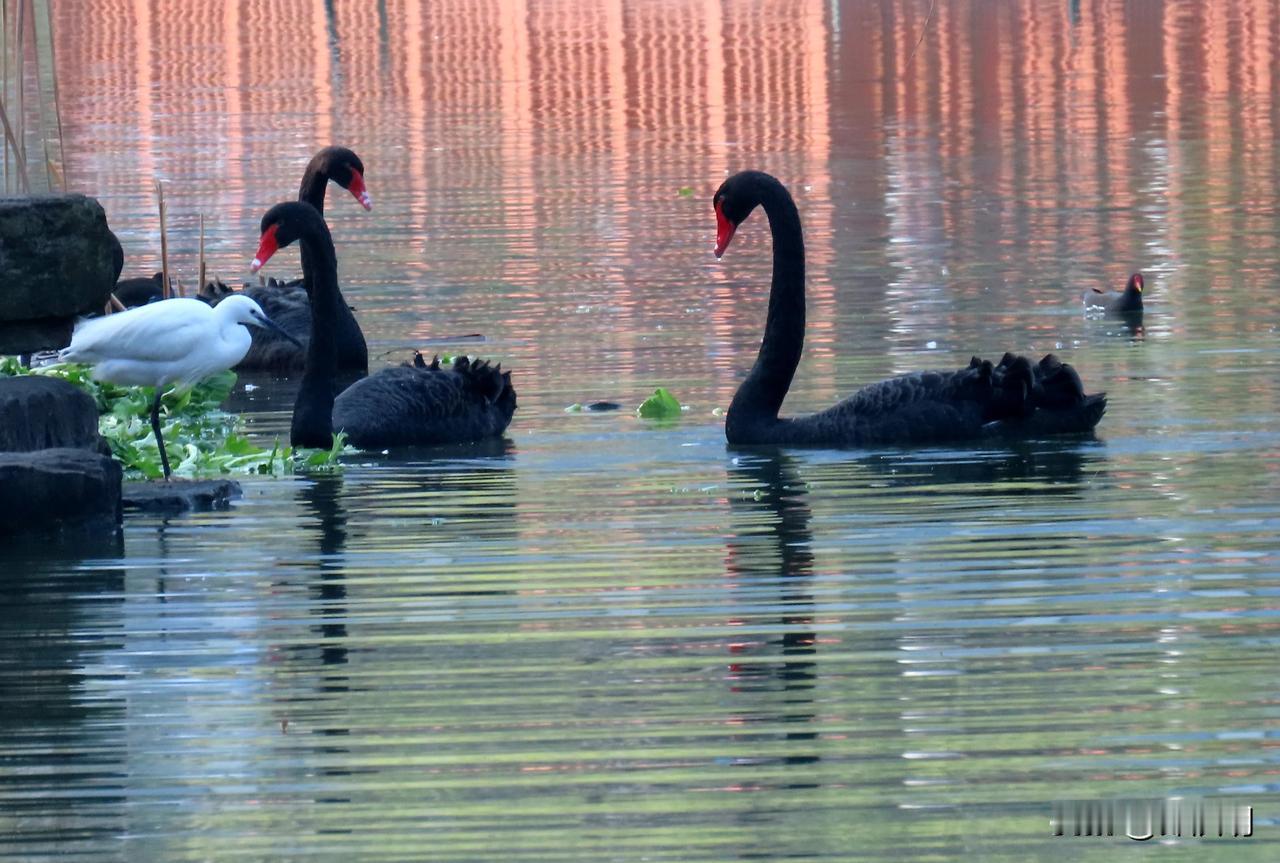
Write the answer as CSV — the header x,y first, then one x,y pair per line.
x,y
207,440
660,405
324,460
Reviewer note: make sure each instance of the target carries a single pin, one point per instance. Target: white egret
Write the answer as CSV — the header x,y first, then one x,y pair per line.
x,y
178,341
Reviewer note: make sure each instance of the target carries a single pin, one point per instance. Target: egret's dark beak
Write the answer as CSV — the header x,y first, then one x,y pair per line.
x,y
272,325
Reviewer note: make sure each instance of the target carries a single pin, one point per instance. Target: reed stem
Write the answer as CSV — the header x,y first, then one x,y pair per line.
x,y
165,293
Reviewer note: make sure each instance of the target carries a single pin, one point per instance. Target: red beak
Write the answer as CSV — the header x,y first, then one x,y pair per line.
x,y
268,247
358,191
1137,281
724,231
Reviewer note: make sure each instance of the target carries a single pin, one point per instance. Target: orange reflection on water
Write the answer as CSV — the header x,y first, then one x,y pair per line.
x,y
1017,153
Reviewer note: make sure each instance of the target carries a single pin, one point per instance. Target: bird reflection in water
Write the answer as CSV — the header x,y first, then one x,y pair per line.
x,y
323,498
772,546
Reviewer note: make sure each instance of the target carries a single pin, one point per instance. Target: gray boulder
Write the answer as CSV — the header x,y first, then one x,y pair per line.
x,y
52,488
38,413
58,259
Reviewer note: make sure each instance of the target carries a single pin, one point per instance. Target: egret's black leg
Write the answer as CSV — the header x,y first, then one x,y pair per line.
x,y
155,427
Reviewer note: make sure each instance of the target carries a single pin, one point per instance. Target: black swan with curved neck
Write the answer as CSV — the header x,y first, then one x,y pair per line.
x,y
1014,398
412,405
288,303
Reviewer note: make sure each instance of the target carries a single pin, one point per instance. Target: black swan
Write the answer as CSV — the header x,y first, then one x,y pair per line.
x,y
1014,398
411,405
1126,302
287,303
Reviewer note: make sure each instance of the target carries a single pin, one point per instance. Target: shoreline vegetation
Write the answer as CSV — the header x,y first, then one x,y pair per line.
x,y
204,440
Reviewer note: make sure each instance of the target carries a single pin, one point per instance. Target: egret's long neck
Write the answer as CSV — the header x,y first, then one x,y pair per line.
x,y
760,396
313,411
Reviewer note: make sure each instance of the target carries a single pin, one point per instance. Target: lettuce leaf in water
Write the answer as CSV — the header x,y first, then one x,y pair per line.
x,y
660,405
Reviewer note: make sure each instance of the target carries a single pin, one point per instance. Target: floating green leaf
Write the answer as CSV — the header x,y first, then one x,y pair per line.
x,y
660,405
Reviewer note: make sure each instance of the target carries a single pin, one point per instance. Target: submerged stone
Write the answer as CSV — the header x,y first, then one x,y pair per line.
x,y
180,495
51,488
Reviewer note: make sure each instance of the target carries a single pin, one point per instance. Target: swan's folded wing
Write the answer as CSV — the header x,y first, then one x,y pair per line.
x,y
160,332
407,406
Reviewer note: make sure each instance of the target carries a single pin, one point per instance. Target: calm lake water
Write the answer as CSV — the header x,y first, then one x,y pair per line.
x,y
609,639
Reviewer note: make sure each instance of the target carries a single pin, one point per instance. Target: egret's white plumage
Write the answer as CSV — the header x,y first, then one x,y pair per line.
x,y
178,341
173,341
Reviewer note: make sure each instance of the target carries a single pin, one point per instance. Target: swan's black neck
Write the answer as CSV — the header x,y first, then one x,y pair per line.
x,y
313,411
315,180
760,396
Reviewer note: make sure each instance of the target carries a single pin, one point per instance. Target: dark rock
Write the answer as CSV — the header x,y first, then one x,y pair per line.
x,y
57,257
38,412
47,489
28,337
57,260
180,495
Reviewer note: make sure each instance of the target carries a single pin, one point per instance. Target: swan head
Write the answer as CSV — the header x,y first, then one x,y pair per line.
x,y
734,201
240,309
343,167
284,224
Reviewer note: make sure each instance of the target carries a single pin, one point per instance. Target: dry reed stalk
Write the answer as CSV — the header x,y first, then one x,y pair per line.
x,y
42,45
28,25
201,283
57,101
164,245
11,142
4,80
19,79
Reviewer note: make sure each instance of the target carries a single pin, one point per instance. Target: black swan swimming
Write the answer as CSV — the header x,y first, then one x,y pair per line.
x,y
1015,398
287,303
411,405
1126,302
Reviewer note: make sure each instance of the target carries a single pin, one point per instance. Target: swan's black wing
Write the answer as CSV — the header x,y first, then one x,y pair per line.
x,y
139,291
1014,398
286,306
426,405
1055,402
